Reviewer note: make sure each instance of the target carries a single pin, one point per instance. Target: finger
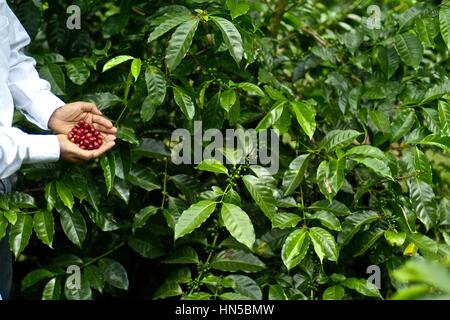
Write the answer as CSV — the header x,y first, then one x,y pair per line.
x,y
89,107
102,122
106,146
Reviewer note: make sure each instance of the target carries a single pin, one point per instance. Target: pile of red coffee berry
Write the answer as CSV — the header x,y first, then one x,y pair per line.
x,y
85,136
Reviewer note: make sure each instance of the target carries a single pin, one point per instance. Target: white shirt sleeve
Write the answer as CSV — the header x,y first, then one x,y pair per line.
x,y
20,81
32,95
17,147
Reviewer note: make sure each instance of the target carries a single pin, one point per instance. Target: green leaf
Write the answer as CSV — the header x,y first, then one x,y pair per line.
x,y
283,220
238,224
65,194
363,286
295,248
231,37
246,286
104,221
108,164
20,234
77,71
330,177
272,116
55,76
444,21
103,100
424,203
237,7
442,142
50,196
276,292
197,296
183,255
366,240
168,289
423,242
233,260
402,125
262,194
377,166
306,116
94,275
141,218
324,244
168,24
212,165
409,48
227,99
427,29
422,167
367,151
327,219
3,226
335,207
388,60
136,66
184,101
74,226
233,296
44,226
353,223
333,293
34,277
114,273
52,290
156,88
424,271
147,245
116,61
180,42
128,135
381,121
444,117
395,238
339,138
251,88
144,178
20,200
193,217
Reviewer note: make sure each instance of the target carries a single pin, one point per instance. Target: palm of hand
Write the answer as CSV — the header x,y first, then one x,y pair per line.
x,y
66,117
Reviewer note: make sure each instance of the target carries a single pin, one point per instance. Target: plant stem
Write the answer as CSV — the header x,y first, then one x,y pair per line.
x,y
278,14
104,254
164,192
126,94
200,275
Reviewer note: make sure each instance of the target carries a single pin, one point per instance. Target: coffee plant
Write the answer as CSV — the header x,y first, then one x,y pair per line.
x,y
358,93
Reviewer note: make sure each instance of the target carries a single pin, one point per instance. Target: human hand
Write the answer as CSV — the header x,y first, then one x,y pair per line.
x,y
72,153
66,117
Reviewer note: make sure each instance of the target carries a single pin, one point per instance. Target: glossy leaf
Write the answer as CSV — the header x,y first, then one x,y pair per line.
x,y
231,37
238,224
324,244
295,248
193,217
180,43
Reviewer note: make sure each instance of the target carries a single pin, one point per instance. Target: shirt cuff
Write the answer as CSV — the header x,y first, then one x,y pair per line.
x,y
42,148
43,105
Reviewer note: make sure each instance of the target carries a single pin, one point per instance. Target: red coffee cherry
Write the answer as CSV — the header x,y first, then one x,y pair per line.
x,y
85,136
